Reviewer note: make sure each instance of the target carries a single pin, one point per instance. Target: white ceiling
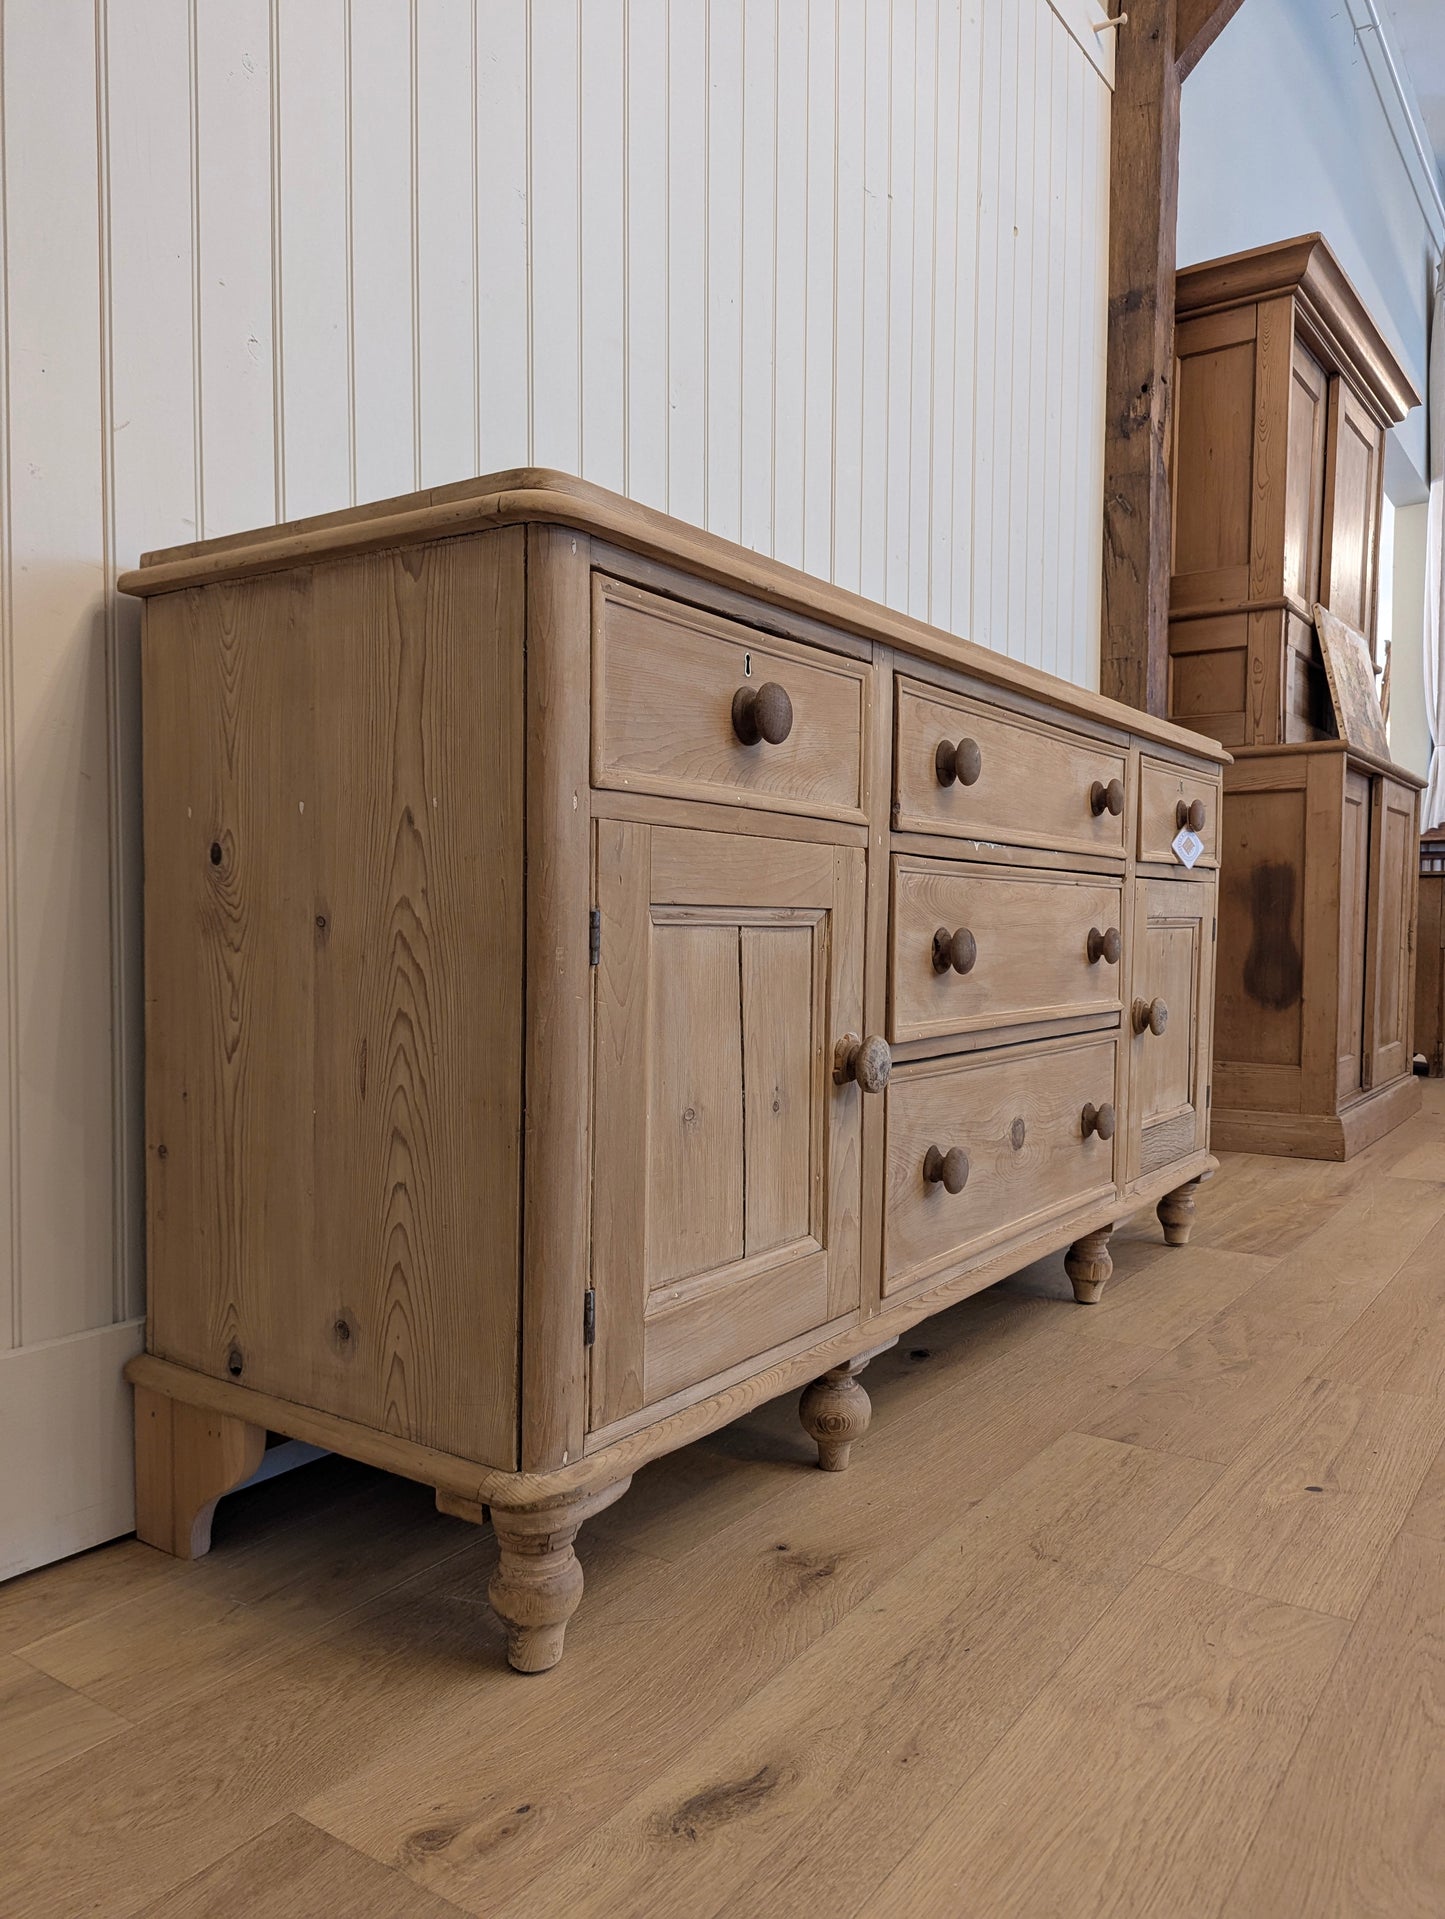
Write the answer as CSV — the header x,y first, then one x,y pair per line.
x,y
1420,29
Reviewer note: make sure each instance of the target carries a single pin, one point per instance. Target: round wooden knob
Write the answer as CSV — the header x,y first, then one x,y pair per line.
x,y
948,1170
1150,1015
957,950
962,762
1098,1119
1105,946
1107,799
1190,813
867,1061
762,713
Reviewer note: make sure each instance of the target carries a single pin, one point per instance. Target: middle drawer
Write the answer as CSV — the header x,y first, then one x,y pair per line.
x,y
975,947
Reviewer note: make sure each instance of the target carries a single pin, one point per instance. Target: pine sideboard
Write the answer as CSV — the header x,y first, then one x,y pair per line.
x,y
598,979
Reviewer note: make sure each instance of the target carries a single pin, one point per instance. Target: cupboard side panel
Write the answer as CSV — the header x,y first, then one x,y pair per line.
x,y
335,1002
229,951
417,976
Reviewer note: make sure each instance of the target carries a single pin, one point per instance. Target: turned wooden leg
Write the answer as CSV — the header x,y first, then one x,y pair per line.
x,y
185,1459
1089,1264
538,1582
835,1411
1176,1213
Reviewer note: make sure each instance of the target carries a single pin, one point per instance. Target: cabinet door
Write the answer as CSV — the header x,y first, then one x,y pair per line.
x,y
727,1166
1390,942
1304,483
1169,1070
1354,475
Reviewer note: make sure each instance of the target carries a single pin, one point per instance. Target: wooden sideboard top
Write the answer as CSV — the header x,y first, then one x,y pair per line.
x,y
539,496
1357,756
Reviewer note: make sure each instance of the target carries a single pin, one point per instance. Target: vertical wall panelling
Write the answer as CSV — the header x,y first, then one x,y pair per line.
x,y
937,524
819,372
315,346
988,268
1026,604
850,115
63,1223
687,291
724,219
555,234
501,158
1063,179
790,280
877,141
760,99
648,111
924,421
241,420
898,464
446,236
827,276
383,340
603,134
61,843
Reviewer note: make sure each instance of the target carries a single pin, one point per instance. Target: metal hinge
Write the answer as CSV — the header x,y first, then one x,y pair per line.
x,y
589,1318
594,937
1208,1097
1214,930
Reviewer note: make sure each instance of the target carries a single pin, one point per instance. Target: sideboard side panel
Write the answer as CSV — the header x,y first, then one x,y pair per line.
x,y
334,923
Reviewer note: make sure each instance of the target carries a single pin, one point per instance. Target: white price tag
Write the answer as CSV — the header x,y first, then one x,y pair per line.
x,y
1187,846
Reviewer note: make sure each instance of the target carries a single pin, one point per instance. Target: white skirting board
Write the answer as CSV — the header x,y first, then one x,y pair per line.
x,y
66,1426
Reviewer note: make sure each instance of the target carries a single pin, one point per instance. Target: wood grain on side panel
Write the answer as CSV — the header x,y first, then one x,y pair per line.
x,y
334,959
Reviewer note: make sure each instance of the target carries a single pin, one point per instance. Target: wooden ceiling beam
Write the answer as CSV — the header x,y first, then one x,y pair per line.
x,y
1199,24
1161,42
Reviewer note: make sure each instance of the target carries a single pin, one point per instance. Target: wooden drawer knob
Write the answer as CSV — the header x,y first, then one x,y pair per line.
x,y
1105,946
948,1170
957,950
1106,799
1150,1016
762,713
962,762
1190,813
868,1061
1098,1119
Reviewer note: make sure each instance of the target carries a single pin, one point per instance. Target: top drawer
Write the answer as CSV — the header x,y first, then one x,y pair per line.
x,y
1172,796
1020,781
673,709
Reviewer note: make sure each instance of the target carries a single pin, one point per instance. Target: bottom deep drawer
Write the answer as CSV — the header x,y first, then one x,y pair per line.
x,y
983,1147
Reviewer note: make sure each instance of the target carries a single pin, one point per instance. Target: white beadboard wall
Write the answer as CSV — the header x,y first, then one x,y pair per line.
x,y
827,276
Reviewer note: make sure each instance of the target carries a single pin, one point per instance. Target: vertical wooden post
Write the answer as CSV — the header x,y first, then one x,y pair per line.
x,y
1159,46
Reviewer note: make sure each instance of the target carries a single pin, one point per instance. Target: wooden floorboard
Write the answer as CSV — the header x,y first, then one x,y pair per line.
x,y
1075,1634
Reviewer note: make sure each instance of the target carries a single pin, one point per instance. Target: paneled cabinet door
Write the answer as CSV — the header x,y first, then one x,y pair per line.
x,y
727,1165
1354,477
1390,962
1168,1023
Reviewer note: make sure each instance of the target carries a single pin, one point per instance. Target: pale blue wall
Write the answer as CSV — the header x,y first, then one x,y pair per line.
x,y
1284,132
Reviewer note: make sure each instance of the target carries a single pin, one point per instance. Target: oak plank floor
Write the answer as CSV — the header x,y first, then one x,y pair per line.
x,y
1073,1635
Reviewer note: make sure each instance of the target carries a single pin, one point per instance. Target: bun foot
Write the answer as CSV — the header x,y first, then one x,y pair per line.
x,y
1176,1213
1089,1265
538,1582
835,1411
